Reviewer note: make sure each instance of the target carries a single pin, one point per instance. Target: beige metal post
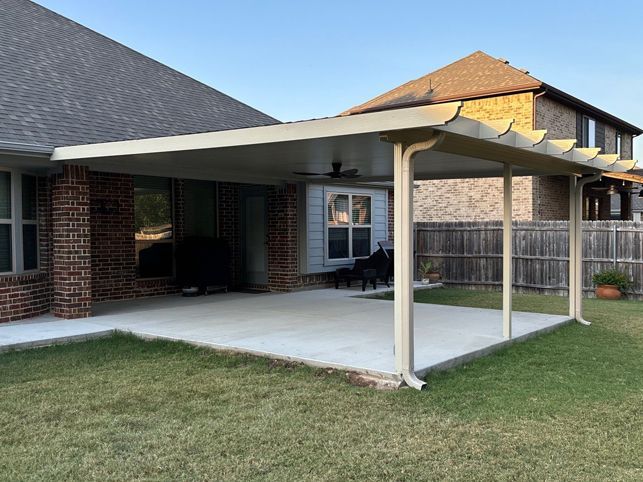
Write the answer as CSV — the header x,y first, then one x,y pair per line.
x,y
572,246
403,234
403,171
507,254
578,250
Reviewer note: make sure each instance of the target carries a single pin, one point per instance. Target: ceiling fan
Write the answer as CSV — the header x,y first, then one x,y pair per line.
x,y
336,173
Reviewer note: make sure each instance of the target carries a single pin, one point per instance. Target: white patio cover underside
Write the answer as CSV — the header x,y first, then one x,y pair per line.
x,y
270,154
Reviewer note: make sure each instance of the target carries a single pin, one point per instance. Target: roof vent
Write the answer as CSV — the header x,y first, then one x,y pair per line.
x,y
524,71
503,60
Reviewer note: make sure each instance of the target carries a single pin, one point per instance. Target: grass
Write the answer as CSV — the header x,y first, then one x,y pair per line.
x,y
566,406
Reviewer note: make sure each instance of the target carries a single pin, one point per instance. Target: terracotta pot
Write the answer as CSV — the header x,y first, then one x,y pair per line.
x,y
608,292
434,276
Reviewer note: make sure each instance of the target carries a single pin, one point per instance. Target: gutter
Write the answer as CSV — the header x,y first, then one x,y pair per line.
x,y
19,148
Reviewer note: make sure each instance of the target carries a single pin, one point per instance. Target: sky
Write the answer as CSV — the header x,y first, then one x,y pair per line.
x,y
304,59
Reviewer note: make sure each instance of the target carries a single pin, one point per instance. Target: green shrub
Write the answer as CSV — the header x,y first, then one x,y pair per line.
x,y
612,277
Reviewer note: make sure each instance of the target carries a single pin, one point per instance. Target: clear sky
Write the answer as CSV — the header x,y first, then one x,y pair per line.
x,y
302,59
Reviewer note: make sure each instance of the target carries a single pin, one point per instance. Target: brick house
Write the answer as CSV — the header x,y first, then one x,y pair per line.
x,y
74,235
492,89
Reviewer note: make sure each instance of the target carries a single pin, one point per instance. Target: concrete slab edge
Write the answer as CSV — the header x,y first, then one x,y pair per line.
x,y
62,340
390,376
461,360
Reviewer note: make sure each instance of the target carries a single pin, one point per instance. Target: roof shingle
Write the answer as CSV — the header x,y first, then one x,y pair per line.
x,y
476,75
64,84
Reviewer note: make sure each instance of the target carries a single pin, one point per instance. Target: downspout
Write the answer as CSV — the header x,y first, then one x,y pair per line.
x,y
533,109
403,199
580,184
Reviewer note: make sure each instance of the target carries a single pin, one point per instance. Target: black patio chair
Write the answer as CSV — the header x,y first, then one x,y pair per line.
x,y
367,270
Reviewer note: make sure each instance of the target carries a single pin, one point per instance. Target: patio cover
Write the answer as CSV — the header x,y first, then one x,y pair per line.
x,y
271,154
403,145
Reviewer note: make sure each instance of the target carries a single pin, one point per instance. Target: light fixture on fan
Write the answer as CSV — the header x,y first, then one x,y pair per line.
x,y
611,190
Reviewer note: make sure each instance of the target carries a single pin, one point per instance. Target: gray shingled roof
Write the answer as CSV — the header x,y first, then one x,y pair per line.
x,y
64,84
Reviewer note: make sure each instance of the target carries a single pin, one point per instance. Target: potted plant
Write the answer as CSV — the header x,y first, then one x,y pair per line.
x,y
610,284
428,272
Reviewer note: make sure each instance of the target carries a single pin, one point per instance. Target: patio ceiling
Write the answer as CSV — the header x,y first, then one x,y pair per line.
x,y
270,154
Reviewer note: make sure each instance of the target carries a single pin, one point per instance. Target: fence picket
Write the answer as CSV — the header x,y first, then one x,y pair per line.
x,y
470,253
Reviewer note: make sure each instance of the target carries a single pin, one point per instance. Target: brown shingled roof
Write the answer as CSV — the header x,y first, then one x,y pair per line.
x,y
476,75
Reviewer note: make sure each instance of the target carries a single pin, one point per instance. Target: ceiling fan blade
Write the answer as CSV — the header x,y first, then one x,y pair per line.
x,y
350,172
350,176
308,173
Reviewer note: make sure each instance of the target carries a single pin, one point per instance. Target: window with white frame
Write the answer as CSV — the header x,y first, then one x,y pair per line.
x,y
618,144
589,132
18,222
349,228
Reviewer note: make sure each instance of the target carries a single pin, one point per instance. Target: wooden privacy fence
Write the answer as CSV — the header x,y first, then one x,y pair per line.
x,y
470,253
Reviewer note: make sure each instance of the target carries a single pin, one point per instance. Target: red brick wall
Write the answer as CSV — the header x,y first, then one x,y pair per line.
x,y
113,249
112,238
71,243
24,296
27,295
283,267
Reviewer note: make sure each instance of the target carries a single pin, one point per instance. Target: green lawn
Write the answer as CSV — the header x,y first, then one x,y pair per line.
x,y
564,406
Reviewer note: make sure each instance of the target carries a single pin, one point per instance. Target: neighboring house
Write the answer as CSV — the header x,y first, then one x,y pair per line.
x,y
629,200
637,207
492,89
62,84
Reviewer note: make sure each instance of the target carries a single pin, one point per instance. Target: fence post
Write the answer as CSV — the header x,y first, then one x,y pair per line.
x,y
614,245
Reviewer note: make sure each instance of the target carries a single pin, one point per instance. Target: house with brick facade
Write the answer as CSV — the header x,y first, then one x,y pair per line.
x,y
120,178
62,84
492,89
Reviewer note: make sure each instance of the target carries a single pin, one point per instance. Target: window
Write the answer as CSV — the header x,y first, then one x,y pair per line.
x,y
18,222
200,208
153,227
589,132
349,225
618,144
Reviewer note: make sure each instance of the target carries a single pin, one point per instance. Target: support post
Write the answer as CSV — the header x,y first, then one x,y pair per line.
x,y
403,170
507,253
572,247
578,250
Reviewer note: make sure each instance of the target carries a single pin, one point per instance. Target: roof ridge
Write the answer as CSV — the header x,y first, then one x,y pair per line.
x,y
374,99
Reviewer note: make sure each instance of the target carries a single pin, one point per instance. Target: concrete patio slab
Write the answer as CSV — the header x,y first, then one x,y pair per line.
x,y
47,330
323,328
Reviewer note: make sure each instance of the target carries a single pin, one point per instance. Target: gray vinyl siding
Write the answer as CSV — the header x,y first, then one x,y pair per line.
x,y
315,235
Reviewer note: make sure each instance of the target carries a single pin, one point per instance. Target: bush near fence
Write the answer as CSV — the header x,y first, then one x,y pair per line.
x,y
470,253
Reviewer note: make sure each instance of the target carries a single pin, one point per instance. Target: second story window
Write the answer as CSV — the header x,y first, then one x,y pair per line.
x,y
618,144
589,132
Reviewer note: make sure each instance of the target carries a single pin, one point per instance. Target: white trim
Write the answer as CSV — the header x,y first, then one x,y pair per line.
x,y
328,261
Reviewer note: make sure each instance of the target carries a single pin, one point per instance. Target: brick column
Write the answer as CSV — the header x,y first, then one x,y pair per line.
x,y
71,243
283,248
